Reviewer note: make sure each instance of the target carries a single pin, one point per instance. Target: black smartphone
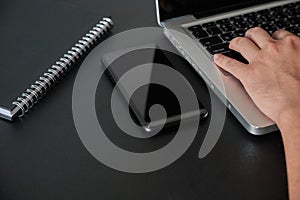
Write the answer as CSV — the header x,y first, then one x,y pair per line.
x,y
119,63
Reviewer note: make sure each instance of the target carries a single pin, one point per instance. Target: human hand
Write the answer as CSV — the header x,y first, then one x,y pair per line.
x,y
272,77
272,80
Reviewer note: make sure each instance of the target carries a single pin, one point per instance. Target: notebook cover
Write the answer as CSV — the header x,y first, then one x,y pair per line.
x,y
33,38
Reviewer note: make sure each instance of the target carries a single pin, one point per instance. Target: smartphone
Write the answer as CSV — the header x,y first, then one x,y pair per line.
x,y
120,62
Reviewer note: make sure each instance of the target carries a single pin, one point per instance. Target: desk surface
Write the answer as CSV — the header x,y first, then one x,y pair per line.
x,y
42,157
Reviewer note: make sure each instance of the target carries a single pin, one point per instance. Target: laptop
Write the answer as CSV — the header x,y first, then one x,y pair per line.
x,y
201,28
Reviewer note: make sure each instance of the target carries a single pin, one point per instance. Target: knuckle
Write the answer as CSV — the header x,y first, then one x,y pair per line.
x,y
235,42
253,30
278,32
291,39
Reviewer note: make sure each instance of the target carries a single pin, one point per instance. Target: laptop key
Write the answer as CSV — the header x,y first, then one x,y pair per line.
x,y
266,18
214,30
253,21
209,24
218,48
281,23
280,15
293,29
223,21
228,36
240,24
295,12
211,41
292,11
195,28
200,33
290,5
294,20
227,27
269,28
240,33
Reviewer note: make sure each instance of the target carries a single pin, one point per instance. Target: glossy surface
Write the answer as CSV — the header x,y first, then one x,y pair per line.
x,y
148,95
42,156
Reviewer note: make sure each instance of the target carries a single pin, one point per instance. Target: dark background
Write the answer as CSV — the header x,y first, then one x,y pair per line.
x,y
41,155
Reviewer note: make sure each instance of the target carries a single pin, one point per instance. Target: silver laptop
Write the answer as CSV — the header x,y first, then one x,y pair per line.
x,y
201,28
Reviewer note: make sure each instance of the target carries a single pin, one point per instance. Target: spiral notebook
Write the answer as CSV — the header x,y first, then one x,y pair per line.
x,y
30,96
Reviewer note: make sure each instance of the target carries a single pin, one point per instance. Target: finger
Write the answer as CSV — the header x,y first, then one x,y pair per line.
x,y
280,34
259,36
230,65
245,47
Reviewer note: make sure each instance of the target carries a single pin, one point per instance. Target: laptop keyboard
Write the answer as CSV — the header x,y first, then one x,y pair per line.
x,y
215,36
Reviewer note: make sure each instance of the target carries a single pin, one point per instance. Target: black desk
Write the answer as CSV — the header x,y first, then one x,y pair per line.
x,y
42,156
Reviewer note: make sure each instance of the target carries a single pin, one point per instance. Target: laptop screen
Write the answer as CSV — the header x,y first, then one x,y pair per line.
x,y
201,8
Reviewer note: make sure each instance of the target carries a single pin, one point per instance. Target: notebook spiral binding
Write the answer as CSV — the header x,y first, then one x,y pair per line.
x,y
37,90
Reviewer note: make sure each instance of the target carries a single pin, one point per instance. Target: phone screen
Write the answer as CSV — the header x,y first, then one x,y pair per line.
x,y
147,95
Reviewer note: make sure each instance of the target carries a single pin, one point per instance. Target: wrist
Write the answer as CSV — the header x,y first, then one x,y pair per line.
x,y
288,123
288,120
